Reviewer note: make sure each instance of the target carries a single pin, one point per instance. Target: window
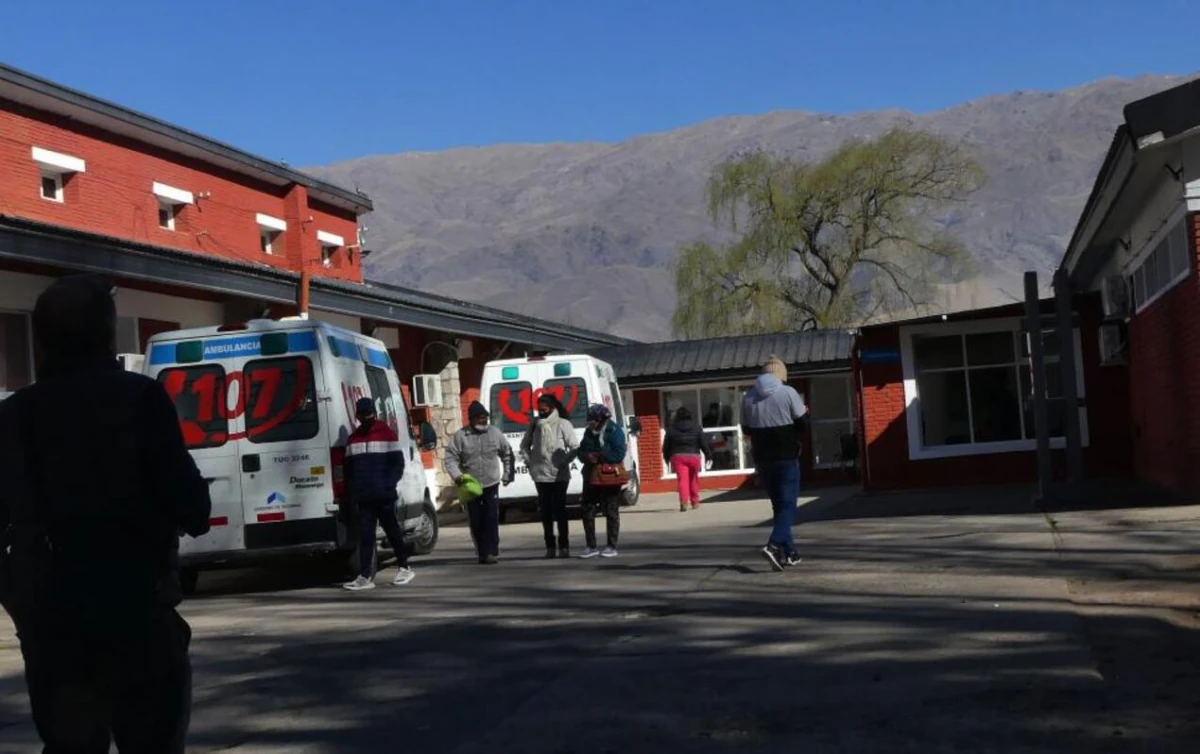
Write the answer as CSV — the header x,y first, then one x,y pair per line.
x,y
572,392
718,410
330,243
269,229
969,389
831,417
1164,264
386,406
266,241
166,216
16,352
281,400
511,406
52,187
198,393
327,255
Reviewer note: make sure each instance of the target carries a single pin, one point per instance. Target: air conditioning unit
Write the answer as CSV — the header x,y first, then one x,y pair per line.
x,y
132,362
427,391
1114,344
1115,298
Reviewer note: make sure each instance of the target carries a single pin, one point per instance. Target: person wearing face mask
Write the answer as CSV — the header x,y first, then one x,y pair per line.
x,y
603,443
548,449
374,466
482,451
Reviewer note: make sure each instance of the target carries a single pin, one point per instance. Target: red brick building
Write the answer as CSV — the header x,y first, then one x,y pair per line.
x,y
196,233
709,378
947,400
1136,246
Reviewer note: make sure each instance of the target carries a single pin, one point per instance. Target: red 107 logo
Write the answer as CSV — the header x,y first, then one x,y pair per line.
x,y
208,399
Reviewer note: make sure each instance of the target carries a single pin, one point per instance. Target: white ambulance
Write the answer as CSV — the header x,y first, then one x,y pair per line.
x,y
511,388
266,408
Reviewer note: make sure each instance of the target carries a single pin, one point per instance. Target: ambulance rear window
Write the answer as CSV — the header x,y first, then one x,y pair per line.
x,y
198,393
573,394
281,400
510,405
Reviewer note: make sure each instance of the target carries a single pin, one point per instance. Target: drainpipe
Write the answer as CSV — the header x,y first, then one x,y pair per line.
x,y
1033,328
302,293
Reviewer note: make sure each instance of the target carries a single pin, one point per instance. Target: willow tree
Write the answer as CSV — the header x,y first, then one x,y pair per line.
x,y
826,244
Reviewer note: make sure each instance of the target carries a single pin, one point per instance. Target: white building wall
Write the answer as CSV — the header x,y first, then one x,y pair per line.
x,y
187,312
19,292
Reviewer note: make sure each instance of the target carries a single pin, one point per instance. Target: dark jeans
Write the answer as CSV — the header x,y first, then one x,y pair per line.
x,y
484,514
552,502
383,514
606,500
782,480
136,691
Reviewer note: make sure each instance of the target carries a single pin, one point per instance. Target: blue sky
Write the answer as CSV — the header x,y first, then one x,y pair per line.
x,y
312,81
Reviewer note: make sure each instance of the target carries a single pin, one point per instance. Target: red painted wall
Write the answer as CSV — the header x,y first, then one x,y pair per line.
x,y
885,436
113,196
1164,357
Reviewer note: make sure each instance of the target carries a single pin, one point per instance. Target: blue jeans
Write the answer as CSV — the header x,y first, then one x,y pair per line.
x,y
782,480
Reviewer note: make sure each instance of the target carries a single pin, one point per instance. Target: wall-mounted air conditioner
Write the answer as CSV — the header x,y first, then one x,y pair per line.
x,y
427,391
1116,298
132,362
1114,344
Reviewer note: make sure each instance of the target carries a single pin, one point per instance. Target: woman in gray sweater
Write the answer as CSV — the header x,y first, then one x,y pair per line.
x,y
548,449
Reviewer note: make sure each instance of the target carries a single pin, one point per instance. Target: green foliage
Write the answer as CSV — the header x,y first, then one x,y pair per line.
x,y
825,244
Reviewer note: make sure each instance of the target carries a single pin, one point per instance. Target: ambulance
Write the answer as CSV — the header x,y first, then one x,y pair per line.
x,y
512,387
266,408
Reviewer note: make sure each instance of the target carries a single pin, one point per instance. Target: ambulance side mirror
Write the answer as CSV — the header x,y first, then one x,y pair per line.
x,y
425,436
634,425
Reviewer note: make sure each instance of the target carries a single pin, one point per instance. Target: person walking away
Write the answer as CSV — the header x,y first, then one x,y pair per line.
x,y
774,418
603,443
482,450
98,484
548,449
685,448
374,467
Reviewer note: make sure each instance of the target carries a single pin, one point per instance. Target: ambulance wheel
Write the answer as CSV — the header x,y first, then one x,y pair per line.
x,y
424,536
189,579
633,491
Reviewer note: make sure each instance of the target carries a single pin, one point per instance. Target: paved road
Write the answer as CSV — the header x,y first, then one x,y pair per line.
x,y
943,632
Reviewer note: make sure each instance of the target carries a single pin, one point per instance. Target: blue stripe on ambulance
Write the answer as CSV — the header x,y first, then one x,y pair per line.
x,y
240,346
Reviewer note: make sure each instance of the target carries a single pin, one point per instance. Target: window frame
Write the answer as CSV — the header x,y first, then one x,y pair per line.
x,y
220,396
266,240
912,403
59,183
496,412
740,388
247,385
850,419
171,210
1144,260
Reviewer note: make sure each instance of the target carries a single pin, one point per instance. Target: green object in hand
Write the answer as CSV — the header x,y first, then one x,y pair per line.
x,y
469,488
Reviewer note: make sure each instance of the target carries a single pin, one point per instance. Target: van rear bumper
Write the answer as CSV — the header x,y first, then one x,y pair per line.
x,y
265,541
236,558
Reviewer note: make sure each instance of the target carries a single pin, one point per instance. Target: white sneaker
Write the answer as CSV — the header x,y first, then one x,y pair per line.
x,y
360,584
608,552
403,576
590,552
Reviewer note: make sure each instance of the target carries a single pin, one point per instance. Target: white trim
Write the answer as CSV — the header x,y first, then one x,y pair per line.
x,y
1172,224
1165,227
57,161
270,223
912,406
330,239
46,175
169,208
172,195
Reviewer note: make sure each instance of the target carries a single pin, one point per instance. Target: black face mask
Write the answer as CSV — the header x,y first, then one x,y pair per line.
x,y
544,411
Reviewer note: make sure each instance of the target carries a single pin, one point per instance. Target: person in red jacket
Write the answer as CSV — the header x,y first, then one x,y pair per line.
x,y
374,466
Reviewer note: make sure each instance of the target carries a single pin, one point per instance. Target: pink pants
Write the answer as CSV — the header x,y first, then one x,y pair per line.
x,y
687,468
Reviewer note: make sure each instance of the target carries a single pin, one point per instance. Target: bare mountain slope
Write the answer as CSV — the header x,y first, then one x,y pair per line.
x,y
586,233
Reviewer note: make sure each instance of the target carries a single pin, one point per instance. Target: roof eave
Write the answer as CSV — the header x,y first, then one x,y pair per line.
x,y
1114,174
247,163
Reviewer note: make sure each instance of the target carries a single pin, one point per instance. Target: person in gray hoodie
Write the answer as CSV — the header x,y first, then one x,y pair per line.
x,y
482,450
774,417
548,449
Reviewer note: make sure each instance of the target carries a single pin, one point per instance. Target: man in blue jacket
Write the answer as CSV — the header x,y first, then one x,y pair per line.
x,y
374,466
603,442
774,418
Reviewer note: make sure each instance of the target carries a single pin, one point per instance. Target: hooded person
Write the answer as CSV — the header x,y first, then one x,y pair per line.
x,y
374,467
774,417
685,447
548,449
603,443
482,451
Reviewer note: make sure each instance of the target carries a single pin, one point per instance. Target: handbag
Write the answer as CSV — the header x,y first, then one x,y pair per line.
x,y
611,475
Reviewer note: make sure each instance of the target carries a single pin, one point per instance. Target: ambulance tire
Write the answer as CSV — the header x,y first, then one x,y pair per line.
x,y
189,579
424,537
633,491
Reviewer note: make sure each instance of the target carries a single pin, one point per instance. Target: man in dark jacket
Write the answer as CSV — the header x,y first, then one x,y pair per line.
x,y
98,485
374,466
774,417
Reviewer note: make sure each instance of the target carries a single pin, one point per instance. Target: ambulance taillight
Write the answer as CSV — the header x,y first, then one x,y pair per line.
x,y
337,459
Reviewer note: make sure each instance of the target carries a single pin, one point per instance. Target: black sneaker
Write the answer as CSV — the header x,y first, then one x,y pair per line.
x,y
792,559
565,552
772,555
551,553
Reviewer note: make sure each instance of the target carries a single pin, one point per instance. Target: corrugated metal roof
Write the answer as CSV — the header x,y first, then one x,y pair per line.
x,y
731,357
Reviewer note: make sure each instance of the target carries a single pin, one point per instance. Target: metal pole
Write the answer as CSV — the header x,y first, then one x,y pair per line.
x,y
1068,370
1033,327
